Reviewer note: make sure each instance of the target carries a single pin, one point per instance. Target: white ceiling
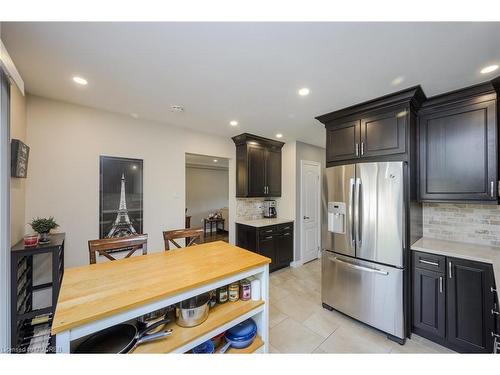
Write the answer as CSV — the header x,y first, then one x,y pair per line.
x,y
246,71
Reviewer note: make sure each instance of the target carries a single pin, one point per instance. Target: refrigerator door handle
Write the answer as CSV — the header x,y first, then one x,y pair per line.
x,y
358,217
358,267
351,211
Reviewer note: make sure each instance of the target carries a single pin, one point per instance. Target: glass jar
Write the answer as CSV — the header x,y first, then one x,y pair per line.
x,y
222,294
245,290
234,292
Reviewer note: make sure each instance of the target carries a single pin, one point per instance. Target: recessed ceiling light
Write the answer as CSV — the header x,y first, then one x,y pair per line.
x,y
134,115
279,135
489,69
80,80
396,81
233,123
304,91
176,108
215,160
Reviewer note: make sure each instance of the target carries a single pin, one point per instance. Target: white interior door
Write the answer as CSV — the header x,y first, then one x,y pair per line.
x,y
310,200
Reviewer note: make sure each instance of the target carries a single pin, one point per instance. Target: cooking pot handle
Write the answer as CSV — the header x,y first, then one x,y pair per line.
x,y
154,336
225,347
152,327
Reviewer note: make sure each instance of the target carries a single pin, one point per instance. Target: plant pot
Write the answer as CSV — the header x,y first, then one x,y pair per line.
x,y
44,237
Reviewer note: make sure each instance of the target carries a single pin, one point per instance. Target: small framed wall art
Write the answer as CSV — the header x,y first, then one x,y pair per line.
x,y
19,159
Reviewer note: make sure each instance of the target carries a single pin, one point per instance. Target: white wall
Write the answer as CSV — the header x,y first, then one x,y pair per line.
x,y
66,141
206,192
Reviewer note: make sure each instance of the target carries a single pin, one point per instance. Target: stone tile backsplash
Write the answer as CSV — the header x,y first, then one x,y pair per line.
x,y
251,208
472,223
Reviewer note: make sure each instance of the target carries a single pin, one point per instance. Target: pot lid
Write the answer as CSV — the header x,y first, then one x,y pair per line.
x,y
206,347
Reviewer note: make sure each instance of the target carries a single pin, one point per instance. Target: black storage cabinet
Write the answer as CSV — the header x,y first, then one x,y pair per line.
x,y
458,143
454,302
258,166
273,241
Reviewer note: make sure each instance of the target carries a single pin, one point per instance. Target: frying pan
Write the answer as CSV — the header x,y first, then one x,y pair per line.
x,y
121,338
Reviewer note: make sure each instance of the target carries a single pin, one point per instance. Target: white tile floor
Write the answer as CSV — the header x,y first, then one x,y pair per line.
x,y
298,323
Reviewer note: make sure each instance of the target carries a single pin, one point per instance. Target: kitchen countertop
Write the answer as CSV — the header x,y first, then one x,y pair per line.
x,y
92,292
479,253
264,222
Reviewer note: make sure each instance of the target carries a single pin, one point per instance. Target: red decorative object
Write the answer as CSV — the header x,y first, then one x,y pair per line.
x,y
31,240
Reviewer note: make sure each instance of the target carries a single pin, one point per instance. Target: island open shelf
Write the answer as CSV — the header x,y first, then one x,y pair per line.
x,y
102,295
221,317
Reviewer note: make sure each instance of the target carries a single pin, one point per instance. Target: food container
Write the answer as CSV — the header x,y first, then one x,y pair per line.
x,y
206,347
234,292
255,286
222,294
245,290
193,311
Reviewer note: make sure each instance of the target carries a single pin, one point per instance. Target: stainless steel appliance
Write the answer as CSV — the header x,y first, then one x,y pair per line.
x,y
270,208
363,242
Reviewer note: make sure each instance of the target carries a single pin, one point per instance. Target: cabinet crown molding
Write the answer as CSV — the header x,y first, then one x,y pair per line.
x,y
414,96
247,137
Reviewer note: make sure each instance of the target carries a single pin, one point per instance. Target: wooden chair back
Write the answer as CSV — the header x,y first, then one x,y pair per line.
x,y
191,235
105,245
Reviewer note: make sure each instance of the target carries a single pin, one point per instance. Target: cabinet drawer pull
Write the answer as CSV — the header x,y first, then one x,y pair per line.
x,y
440,284
286,234
269,238
493,290
428,262
494,312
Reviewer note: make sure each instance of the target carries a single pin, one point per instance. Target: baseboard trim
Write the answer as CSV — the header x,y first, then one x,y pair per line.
x,y
296,264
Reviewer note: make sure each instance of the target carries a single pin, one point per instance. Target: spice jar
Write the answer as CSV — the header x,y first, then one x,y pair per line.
x,y
245,290
234,292
222,294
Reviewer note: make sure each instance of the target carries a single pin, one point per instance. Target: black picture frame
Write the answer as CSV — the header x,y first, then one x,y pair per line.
x,y
114,219
19,155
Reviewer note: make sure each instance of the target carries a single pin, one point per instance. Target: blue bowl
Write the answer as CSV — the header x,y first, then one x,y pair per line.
x,y
206,347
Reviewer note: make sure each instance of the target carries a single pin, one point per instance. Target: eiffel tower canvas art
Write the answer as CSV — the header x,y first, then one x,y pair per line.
x,y
120,212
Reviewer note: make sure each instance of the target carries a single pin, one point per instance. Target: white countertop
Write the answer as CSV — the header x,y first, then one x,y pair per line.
x,y
264,222
479,253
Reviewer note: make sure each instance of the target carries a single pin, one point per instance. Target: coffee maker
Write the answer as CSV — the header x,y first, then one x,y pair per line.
x,y
270,209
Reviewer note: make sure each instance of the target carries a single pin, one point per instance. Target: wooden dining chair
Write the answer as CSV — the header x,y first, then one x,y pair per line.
x,y
191,235
105,245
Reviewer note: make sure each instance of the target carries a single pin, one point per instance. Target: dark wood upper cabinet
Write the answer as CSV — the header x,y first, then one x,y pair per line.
x,y
373,131
458,139
470,301
384,134
343,141
258,166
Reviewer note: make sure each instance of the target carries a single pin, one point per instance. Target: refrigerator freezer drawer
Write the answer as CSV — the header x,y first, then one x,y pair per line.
x,y
366,291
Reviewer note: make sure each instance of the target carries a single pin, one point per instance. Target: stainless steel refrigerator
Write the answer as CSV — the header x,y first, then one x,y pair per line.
x,y
363,241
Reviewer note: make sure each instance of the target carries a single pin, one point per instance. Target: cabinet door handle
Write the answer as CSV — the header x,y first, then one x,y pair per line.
x,y
440,284
492,189
362,148
449,270
357,149
428,262
494,312
493,290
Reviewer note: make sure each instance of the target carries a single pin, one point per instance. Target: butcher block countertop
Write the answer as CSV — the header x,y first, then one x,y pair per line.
x,y
89,293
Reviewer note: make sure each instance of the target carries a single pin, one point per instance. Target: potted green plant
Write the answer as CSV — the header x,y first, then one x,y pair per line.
x,y
43,227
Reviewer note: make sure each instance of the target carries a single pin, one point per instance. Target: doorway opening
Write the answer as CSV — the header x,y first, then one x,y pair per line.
x,y
207,196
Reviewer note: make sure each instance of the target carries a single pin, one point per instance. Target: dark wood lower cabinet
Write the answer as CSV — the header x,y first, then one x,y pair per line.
x,y
273,241
429,308
470,302
454,307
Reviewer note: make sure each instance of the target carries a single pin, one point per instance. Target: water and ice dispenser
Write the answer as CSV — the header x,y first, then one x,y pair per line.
x,y
336,217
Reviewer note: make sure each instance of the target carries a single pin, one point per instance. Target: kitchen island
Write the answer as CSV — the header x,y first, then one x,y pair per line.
x,y
102,295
